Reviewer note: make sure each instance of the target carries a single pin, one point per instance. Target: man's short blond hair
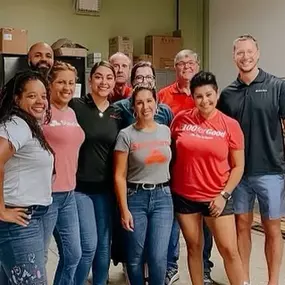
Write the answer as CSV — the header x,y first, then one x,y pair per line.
x,y
244,37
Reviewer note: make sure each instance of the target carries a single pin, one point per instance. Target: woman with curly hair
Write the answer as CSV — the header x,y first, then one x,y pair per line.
x,y
26,166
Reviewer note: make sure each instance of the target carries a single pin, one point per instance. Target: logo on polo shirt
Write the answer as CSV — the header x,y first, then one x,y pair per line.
x,y
260,90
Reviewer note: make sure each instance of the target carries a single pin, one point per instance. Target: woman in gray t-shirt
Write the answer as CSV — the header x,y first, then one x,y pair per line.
x,y
142,156
26,163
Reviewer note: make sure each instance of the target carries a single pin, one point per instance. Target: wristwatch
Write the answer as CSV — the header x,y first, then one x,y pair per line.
x,y
227,196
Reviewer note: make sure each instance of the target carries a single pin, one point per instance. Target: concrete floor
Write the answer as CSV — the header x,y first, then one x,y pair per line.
x,y
258,268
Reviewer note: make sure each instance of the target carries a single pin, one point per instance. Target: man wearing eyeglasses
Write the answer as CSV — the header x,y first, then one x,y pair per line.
x,y
122,65
256,99
177,95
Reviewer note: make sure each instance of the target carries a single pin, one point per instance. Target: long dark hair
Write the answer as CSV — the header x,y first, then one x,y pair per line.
x,y
8,107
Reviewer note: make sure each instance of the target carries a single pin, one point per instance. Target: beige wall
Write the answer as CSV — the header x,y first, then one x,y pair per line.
x,y
262,18
48,20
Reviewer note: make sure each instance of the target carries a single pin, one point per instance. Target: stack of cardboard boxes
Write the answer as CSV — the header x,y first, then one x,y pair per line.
x,y
159,50
121,44
92,58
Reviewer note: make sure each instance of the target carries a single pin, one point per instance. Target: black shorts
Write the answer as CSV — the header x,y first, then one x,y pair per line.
x,y
186,206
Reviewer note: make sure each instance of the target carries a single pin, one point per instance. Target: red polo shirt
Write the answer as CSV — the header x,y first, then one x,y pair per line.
x,y
175,99
117,95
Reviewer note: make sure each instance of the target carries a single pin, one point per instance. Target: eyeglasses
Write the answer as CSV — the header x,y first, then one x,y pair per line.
x,y
141,78
190,63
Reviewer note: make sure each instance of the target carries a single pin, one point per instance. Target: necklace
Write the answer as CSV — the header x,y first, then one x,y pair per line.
x,y
101,114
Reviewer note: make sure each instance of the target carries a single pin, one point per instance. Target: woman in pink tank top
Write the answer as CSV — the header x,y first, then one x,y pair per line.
x,y
65,137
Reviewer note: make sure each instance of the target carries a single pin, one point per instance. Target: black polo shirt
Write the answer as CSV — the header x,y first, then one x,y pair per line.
x,y
259,108
95,171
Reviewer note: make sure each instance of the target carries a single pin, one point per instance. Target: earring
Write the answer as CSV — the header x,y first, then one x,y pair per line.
x,y
156,109
135,115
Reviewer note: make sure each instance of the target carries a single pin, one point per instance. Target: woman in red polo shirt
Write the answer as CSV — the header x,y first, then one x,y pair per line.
x,y
208,164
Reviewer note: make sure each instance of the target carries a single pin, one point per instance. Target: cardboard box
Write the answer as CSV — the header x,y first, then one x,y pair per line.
x,y
163,50
92,58
65,47
130,55
13,41
81,52
143,57
120,44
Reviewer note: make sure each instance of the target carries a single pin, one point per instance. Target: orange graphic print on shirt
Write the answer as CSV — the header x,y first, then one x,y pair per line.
x,y
155,156
152,151
149,154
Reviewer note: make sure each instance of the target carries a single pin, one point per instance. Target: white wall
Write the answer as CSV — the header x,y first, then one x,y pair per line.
x,y
264,19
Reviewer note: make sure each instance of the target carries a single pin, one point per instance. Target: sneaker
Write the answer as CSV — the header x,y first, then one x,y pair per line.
x,y
172,275
208,279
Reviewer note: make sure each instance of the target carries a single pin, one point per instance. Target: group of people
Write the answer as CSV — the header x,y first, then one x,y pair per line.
x,y
117,173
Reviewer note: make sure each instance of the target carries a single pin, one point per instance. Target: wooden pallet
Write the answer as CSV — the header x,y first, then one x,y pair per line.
x,y
258,226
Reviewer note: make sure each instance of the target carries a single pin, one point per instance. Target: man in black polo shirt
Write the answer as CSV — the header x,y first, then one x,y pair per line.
x,y
256,100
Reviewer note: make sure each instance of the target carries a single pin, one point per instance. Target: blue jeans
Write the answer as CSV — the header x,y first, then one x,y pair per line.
x,y
22,250
174,247
3,278
61,220
152,211
95,222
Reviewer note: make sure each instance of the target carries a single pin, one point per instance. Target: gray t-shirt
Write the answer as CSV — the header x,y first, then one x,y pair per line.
x,y
149,154
28,173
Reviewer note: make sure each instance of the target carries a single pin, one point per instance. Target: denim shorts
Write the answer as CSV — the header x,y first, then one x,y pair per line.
x,y
269,191
186,206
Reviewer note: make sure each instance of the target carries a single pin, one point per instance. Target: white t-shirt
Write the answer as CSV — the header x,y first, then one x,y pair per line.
x,y
28,173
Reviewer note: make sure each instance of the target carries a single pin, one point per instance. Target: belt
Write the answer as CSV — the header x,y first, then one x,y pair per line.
x,y
147,186
29,209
